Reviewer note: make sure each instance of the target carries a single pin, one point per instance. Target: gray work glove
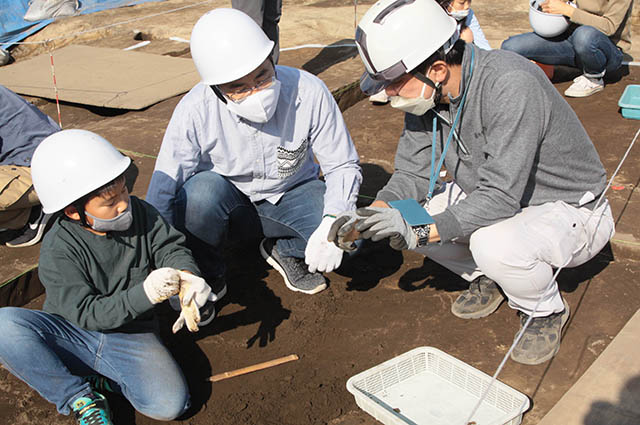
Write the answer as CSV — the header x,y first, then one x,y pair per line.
x,y
343,232
377,223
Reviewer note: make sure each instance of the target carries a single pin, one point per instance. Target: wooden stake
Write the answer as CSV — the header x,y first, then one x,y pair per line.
x,y
253,368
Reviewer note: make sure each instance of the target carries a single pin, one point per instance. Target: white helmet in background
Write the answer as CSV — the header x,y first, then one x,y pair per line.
x,y
546,24
72,163
395,36
226,44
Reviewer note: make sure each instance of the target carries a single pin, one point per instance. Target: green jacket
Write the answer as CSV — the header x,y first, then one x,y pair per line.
x,y
96,281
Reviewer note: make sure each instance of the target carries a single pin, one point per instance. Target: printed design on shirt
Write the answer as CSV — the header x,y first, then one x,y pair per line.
x,y
289,162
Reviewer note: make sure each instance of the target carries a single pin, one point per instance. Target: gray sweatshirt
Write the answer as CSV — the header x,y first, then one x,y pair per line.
x,y
520,144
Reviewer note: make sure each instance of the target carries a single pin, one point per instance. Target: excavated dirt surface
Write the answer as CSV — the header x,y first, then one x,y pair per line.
x,y
379,304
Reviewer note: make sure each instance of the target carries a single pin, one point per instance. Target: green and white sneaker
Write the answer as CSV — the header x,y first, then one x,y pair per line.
x,y
102,384
92,410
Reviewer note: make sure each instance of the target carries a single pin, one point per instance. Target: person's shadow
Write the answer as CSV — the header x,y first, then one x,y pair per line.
x,y
336,52
431,275
374,260
246,270
570,278
625,412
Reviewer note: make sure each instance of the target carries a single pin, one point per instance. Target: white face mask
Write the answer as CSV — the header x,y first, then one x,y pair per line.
x,y
258,107
459,15
415,105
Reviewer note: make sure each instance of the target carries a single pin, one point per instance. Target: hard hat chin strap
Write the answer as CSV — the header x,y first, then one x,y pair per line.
x,y
218,94
79,206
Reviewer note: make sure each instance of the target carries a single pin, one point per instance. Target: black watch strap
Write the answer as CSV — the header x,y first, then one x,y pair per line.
x,y
422,233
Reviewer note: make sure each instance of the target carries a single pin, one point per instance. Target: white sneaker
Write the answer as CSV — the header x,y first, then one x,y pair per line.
x,y
584,86
380,97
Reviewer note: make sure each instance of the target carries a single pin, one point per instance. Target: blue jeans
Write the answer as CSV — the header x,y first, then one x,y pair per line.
x,y
212,209
585,48
52,355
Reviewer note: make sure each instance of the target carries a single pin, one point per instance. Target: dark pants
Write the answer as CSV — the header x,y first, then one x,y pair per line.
x,y
267,14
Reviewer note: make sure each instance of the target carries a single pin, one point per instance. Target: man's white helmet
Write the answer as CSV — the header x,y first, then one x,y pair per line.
x,y
395,36
226,44
546,24
72,163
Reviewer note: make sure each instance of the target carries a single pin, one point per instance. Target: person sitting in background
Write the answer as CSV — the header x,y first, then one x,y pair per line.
x,y
595,43
22,128
468,24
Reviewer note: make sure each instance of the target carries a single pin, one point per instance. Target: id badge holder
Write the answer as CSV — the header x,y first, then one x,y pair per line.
x,y
413,213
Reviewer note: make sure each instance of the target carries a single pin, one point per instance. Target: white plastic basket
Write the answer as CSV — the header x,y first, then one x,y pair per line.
x,y
426,386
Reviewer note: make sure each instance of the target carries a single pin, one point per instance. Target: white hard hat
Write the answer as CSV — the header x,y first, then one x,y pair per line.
x,y
226,44
72,163
395,36
546,24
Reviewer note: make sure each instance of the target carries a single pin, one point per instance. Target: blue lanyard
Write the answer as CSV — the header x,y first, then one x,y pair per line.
x,y
436,171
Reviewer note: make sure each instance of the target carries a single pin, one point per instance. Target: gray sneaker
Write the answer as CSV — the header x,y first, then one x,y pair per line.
x,y
293,270
208,310
541,339
481,299
33,231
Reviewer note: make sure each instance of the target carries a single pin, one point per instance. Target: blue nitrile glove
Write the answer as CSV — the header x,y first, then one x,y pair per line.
x,y
377,223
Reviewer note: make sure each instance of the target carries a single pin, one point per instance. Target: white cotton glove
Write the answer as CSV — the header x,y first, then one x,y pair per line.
x,y
194,293
161,284
322,254
196,289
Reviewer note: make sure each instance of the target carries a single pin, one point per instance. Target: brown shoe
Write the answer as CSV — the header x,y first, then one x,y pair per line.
x,y
481,299
541,339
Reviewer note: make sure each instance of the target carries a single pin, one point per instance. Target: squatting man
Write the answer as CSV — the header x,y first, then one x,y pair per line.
x,y
237,159
525,175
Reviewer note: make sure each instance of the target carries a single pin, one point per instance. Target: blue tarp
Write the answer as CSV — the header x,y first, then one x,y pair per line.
x,y
14,28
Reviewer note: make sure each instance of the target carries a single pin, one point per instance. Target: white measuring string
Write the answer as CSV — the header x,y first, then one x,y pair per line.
x,y
549,287
128,21
317,46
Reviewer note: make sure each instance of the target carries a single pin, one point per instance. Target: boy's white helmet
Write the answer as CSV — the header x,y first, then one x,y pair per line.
x,y
546,24
395,36
226,44
71,163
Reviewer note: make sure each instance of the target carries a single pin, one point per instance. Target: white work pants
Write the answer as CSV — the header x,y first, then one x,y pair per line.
x,y
520,252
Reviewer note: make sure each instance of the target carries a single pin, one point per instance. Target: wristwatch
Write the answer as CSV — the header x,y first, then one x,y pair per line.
x,y
422,233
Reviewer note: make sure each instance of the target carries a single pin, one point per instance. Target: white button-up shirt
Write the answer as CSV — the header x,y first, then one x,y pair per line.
x,y
262,160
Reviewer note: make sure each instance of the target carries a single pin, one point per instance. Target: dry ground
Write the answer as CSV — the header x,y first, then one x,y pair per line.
x,y
379,304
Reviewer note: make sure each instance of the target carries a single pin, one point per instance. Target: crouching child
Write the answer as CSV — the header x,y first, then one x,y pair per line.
x,y
107,260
